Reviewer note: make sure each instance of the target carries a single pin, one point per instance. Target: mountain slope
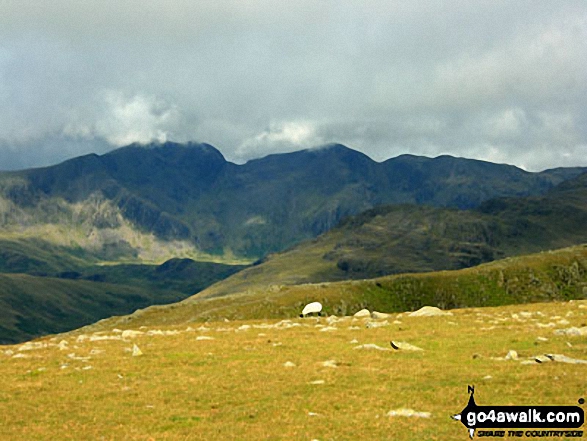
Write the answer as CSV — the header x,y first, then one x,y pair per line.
x,y
409,238
153,202
62,298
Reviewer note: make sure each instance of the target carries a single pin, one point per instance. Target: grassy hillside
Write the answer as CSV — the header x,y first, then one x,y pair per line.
x,y
296,380
31,306
559,275
47,289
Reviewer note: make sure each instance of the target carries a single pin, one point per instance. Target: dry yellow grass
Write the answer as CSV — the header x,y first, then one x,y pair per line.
x,y
235,386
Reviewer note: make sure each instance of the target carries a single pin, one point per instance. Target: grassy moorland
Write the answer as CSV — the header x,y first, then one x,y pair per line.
x,y
229,380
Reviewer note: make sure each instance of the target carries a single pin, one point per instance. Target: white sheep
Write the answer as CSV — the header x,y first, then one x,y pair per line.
x,y
310,308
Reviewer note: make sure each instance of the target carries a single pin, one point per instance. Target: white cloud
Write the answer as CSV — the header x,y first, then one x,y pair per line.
x,y
124,120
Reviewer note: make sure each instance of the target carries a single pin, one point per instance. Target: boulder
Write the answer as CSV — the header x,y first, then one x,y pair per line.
x,y
363,313
379,315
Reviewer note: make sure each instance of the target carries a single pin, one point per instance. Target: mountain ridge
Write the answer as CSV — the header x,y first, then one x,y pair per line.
x,y
190,193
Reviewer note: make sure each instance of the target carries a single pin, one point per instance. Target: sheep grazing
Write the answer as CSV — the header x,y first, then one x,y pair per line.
x,y
311,308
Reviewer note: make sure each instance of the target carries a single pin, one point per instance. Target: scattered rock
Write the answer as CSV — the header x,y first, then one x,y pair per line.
x,y
377,324
203,337
362,313
289,364
410,413
354,341
244,328
136,351
328,328
62,345
573,331
317,382
379,315
129,333
371,346
21,355
402,345
429,311
313,414
542,339
564,359
487,377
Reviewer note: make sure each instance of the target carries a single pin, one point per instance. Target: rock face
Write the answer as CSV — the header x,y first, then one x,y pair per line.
x,y
429,311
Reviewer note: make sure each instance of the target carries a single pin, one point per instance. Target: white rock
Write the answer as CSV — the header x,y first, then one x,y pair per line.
x,y
511,355
362,313
244,328
564,359
21,355
573,331
371,346
429,311
62,345
402,345
289,364
136,351
203,337
330,364
129,333
379,315
410,413
328,328
371,325
317,382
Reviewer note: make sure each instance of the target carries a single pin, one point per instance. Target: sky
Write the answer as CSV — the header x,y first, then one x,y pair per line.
x,y
503,81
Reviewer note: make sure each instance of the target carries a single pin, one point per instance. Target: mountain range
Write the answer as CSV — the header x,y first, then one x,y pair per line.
x,y
98,236
150,203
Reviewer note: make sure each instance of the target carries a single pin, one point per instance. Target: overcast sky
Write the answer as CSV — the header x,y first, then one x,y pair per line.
x,y
504,81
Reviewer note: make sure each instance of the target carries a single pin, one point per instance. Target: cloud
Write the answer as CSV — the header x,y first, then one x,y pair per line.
x,y
123,120
497,79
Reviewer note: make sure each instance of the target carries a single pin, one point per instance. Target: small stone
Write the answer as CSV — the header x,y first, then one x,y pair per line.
x,y
487,377
136,352
203,337
330,364
289,364
328,328
129,333
371,325
402,345
371,346
410,413
316,382
511,355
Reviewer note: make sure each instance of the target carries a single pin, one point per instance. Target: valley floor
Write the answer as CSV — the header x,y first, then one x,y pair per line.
x,y
299,379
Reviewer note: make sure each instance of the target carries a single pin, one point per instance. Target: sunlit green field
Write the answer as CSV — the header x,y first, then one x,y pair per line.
x,y
236,386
